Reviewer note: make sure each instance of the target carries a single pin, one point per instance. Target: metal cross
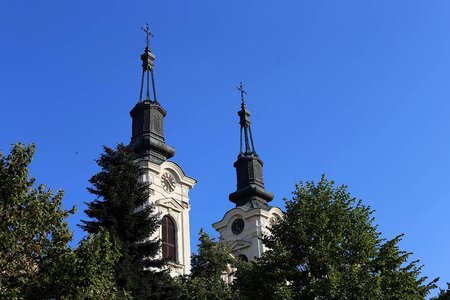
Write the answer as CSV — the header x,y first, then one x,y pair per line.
x,y
243,92
148,33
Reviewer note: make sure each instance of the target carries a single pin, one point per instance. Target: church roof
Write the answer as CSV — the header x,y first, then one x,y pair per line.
x,y
148,114
250,191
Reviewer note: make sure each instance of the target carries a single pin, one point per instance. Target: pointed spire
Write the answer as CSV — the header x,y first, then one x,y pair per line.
x,y
246,131
250,185
148,115
148,59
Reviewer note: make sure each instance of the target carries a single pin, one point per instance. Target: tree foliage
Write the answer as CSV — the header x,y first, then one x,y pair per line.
x,y
327,247
122,208
33,229
85,273
212,260
443,294
35,260
208,267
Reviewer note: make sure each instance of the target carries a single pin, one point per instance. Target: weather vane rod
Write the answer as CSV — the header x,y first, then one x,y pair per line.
x,y
148,34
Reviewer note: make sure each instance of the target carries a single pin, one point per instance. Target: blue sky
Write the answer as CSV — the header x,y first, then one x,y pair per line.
x,y
358,90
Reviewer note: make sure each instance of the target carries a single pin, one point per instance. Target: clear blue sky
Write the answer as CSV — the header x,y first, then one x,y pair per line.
x,y
358,90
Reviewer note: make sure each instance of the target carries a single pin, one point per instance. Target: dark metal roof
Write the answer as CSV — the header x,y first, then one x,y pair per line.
x,y
148,117
249,167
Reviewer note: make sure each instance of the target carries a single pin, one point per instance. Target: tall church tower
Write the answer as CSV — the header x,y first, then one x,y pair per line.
x,y
169,184
242,226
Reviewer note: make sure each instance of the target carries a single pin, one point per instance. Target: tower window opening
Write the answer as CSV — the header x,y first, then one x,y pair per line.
x,y
243,257
168,239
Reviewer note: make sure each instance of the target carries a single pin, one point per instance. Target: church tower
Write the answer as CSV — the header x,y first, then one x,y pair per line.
x,y
242,226
169,184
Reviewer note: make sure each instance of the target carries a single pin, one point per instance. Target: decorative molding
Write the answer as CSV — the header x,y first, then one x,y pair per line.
x,y
170,203
238,245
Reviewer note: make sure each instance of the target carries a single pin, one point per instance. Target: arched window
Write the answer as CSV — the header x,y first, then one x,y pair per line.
x,y
243,257
168,239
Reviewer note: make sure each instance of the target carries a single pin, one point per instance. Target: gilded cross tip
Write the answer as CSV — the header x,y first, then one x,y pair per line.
x,y
148,34
243,92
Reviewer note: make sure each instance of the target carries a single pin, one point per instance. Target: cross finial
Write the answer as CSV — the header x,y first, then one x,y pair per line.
x,y
148,34
243,92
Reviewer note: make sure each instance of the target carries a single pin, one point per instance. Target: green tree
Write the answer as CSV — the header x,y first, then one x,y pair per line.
x,y
208,266
443,294
327,247
122,208
85,273
33,227
35,260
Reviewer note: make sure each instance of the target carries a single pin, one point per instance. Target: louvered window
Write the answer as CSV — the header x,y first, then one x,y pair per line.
x,y
168,239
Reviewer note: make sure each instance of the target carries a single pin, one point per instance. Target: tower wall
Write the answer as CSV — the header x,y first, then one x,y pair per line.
x,y
256,223
173,203
168,183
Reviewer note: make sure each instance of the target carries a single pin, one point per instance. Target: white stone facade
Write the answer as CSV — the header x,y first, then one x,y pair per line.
x,y
256,222
170,194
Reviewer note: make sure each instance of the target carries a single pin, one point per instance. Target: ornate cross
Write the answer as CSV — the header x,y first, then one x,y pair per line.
x,y
243,92
148,33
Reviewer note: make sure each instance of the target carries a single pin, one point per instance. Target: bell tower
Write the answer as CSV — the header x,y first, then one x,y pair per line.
x,y
169,184
242,226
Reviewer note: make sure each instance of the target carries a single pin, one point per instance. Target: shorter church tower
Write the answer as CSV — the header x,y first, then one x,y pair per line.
x,y
169,184
241,227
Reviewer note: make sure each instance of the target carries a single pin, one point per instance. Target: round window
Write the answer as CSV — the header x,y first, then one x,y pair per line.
x,y
238,226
